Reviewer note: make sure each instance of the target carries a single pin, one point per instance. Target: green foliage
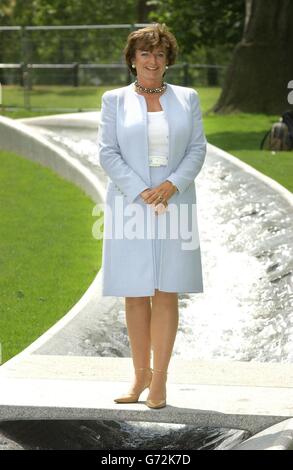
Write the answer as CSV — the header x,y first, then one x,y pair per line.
x,y
197,23
206,30
65,12
65,46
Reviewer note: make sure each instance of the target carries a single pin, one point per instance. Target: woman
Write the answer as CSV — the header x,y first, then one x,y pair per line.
x,y
151,146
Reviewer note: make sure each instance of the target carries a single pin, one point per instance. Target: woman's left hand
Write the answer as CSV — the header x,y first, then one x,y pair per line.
x,y
161,193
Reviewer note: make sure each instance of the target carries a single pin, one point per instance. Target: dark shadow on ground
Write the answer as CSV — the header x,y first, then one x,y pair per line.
x,y
106,435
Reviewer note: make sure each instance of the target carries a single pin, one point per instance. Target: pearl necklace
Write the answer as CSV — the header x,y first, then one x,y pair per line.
x,y
151,90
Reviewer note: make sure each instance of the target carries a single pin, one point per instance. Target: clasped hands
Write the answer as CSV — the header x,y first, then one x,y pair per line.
x,y
158,196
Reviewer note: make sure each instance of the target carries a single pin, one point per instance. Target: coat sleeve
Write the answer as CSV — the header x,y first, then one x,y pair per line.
x,y
110,159
194,156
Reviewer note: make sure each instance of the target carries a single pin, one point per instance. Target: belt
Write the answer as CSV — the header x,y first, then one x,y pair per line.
x,y
157,161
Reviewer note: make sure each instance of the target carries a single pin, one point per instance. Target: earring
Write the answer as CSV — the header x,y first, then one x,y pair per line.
x,y
133,66
166,66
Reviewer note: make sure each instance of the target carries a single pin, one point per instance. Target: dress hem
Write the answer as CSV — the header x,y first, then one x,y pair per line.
x,y
152,293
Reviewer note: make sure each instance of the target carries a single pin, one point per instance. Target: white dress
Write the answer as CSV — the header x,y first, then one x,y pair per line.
x,y
158,135
158,152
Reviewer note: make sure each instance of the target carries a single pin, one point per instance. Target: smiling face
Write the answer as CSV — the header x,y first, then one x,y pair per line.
x,y
150,65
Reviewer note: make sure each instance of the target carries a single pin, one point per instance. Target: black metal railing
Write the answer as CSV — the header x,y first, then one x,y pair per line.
x,y
33,57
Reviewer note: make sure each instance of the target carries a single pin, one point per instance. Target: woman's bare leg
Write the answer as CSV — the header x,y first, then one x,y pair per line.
x,y
164,325
138,320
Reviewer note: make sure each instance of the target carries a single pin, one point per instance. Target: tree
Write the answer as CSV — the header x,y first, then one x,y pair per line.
x,y
6,9
262,63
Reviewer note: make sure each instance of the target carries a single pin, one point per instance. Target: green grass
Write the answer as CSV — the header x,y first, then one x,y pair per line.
x,y
241,134
48,256
51,98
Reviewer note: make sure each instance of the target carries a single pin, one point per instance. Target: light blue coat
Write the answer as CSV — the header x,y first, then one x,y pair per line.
x,y
127,264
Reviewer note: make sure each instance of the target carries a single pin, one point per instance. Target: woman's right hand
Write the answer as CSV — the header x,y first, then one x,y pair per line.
x,y
160,208
144,193
161,193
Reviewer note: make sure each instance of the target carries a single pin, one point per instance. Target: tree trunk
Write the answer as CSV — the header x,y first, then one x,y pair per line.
x,y
212,72
143,11
262,64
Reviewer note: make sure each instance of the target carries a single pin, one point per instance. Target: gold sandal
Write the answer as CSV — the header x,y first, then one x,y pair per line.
x,y
157,403
133,397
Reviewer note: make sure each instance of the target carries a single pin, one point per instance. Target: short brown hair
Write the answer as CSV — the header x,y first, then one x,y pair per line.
x,y
148,38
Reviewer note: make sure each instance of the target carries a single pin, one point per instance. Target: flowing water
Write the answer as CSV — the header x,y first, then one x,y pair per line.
x,y
246,234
